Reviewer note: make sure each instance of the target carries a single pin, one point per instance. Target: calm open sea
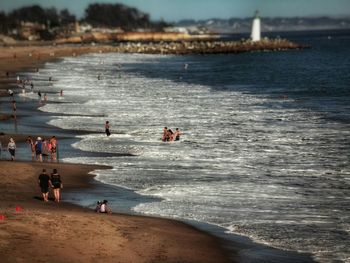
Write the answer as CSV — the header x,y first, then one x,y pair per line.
x,y
265,148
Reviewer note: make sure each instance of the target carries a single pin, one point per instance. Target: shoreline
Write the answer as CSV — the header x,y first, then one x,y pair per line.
x,y
125,238
249,246
39,229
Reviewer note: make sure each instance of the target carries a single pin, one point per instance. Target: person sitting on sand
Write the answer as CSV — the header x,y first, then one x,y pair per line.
x,y
56,185
104,207
98,206
45,183
11,147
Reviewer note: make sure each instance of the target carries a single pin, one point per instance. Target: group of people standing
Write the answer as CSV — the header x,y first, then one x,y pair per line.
x,y
169,135
52,181
42,149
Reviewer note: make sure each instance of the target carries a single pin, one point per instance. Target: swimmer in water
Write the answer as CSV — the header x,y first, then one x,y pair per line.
x,y
177,134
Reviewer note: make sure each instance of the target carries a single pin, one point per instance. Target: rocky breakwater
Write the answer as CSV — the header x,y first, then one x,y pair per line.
x,y
104,37
206,47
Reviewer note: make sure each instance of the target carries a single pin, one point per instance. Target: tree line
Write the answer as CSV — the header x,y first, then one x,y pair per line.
x,y
98,15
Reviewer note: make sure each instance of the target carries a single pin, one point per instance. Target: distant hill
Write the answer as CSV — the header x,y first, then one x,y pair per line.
x,y
242,25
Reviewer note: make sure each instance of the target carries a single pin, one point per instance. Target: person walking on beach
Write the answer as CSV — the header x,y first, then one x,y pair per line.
x,y
107,128
39,95
11,147
56,185
45,183
38,149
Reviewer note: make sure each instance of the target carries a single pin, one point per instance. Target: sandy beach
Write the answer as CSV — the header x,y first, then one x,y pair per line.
x,y
34,231
68,233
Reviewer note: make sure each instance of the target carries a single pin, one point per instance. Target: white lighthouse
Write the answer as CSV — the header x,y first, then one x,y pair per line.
x,y
256,34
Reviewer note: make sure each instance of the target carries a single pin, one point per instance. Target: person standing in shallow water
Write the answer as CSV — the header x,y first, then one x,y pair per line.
x,y
45,183
31,145
11,147
169,136
14,109
107,128
38,149
45,151
165,132
177,134
53,147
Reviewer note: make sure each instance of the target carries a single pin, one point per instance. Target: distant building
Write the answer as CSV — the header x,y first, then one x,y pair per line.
x,y
175,30
85,27
30,31
256,30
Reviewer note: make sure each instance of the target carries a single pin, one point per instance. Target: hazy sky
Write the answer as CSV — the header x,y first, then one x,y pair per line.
x,y
173,10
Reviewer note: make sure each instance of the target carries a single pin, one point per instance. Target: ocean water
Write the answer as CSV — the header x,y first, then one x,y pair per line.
x,y
265,148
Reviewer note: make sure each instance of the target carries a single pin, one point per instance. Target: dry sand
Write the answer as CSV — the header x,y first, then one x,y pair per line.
x,y
42,232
